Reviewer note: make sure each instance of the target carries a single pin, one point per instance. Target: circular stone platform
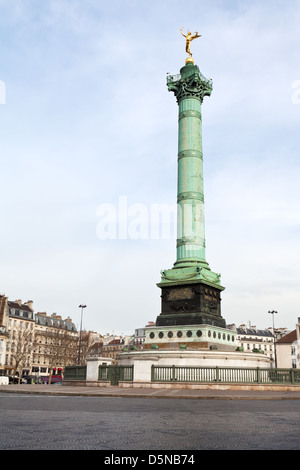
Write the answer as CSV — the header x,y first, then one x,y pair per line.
x,y
143,360
190,337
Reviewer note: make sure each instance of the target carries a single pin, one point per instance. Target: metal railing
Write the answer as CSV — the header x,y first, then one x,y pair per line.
x,y
224,375
115,373
75,373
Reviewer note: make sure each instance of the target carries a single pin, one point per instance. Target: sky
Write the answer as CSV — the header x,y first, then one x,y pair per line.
x,y
88,127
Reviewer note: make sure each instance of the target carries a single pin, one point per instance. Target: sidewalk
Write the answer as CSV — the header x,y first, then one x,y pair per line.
x,y
113,391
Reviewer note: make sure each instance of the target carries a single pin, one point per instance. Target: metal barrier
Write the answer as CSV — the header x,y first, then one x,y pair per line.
x,y
114,374
75,373
224,375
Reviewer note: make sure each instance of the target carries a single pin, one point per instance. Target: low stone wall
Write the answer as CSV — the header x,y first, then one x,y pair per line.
x,y
188,386
72,383
86,383
207,386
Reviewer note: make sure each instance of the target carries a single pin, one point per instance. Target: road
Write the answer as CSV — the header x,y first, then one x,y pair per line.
x,y
35,422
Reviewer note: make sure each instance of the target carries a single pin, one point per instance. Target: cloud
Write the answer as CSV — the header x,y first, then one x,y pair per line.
x,y
88,118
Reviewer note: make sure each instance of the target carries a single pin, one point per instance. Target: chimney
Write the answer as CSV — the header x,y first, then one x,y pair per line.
x,y
54,315
29,304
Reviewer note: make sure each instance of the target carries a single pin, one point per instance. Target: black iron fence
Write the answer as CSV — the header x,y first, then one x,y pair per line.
x,y
114,374
75,373
224,375
257,375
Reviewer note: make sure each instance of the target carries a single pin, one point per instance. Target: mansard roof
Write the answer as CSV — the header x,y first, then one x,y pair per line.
x,y
254,332
54,322
19,306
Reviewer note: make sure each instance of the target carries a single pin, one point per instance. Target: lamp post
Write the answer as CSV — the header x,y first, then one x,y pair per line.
x,y
272,312
82,307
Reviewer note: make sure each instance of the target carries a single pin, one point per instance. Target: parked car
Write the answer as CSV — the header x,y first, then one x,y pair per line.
x,y
55,379
30,379
13,379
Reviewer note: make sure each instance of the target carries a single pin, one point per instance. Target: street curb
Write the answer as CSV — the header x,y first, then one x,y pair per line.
x,y
167,395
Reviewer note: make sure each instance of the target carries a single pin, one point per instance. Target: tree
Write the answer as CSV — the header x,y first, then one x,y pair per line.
x,y
59,348
85,344
21,346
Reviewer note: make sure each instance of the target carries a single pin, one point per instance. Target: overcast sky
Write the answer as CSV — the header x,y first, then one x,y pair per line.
x,y
86,120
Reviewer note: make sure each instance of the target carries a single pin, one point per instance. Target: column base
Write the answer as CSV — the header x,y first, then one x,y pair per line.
x,y
189,271
190,296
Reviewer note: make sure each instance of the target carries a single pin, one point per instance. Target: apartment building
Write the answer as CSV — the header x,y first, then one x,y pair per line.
x,y
253,339
34,344
20,336
55,344
288,349
3,331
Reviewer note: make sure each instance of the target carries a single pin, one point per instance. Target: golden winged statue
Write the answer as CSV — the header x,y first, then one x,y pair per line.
x,y
189,39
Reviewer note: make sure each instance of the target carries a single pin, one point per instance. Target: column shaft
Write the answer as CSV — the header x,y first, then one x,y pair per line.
x,y
190,193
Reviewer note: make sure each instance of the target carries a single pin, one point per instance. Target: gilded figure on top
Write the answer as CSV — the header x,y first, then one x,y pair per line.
x,y
189,39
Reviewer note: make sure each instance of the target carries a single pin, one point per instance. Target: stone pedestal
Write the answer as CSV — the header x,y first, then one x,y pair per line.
x,y
190,304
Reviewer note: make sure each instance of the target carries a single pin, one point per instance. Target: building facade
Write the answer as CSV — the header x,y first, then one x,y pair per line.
x,y
34,344
252,339
288,349
55,344
20,337
3,331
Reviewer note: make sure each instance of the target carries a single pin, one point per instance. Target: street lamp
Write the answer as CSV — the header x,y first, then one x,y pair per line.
x,y
82,307
272,313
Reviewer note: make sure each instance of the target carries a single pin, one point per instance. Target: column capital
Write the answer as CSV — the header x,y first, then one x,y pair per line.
x,y
190,83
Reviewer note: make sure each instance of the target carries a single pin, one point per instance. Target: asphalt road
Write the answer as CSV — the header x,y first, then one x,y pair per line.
x,y
35,422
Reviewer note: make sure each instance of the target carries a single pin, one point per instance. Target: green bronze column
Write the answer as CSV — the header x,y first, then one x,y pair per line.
x,y
190,290
189,91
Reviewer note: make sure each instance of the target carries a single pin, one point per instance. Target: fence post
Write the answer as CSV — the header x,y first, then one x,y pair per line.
x,y
217,374
152,373
173,374
292,376
258,375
